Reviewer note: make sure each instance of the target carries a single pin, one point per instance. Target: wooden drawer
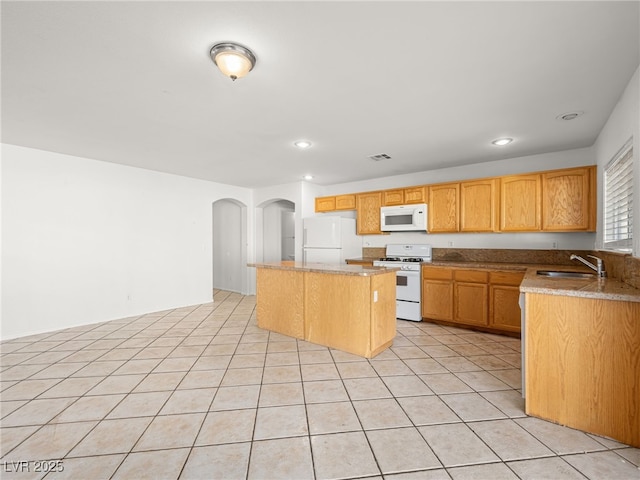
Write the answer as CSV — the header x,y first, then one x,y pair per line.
x,y
506,278
431,273
474,276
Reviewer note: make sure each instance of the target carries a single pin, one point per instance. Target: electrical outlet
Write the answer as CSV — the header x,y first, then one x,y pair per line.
x,y
554,245
450,244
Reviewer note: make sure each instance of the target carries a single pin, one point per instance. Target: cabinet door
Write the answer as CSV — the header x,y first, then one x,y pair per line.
x,y
568,202
504,308
520,200
437,299
437,293
443,208
393,197
479,206
368,213
470,300
415,195
325,204
346,202
504,295
470,297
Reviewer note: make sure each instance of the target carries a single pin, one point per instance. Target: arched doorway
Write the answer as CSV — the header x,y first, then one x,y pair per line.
x,y
278,231
229,245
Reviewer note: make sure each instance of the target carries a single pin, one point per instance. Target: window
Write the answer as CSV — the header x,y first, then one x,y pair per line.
x,y
618,201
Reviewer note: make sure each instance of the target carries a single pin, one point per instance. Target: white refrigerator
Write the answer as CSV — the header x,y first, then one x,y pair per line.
x,y
330,239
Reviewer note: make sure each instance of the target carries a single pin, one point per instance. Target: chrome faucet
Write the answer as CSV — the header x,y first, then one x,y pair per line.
x,y
598,267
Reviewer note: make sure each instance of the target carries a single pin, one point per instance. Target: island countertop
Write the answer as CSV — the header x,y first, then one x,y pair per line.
x,y
331,268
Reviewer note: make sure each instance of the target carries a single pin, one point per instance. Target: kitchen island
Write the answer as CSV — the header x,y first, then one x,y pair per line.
x,y
347,307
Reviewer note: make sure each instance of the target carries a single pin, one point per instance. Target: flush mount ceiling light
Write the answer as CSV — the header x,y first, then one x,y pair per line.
x,y
569,115
302,144
502,141
308,177
234,60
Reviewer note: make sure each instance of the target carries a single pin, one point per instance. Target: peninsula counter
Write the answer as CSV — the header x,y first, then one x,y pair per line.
x,y
347,307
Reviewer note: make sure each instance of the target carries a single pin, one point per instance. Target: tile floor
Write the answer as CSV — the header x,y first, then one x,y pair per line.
x,y
202,392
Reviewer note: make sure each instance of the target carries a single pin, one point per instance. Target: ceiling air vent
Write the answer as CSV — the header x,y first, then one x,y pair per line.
x,y
379,156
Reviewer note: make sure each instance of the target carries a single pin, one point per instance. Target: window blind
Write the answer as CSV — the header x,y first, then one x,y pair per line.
x,y
618,202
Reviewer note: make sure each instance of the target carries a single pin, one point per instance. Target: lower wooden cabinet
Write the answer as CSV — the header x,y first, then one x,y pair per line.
x,y
504,295
437,293
470,297
476,298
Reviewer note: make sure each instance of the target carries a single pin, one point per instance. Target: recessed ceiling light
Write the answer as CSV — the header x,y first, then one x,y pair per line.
x,y
302,144
569,115
308,177
502,141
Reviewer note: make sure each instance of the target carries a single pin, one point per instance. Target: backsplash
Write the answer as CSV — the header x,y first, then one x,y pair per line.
x,y
622,267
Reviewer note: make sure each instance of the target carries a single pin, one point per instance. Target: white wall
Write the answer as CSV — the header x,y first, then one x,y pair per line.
x,y
623,124
86,241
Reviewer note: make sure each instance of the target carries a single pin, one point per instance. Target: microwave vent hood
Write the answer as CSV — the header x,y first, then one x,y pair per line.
x,y
404,218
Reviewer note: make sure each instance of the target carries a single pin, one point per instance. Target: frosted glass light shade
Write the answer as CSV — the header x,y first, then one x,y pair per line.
x,y
233,60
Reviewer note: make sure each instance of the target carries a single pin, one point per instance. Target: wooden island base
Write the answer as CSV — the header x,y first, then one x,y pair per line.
x,y
346,307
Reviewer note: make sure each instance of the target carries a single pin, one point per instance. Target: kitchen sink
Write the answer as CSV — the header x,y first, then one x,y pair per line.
x,y
564,274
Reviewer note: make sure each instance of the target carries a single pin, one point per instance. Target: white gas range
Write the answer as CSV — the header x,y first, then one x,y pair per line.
x,y
408,257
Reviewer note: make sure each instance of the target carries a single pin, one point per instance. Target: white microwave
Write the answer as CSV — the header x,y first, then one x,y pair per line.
x,y
404,218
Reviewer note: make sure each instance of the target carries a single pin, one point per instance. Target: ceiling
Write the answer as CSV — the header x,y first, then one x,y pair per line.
x,y
430,84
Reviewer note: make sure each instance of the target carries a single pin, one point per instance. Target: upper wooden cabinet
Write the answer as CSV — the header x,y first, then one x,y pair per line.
x,y
337,202
520,202
551,201
346,202
393,197
569,200
368,213
325,204
404,196
415,195
444,206
479,205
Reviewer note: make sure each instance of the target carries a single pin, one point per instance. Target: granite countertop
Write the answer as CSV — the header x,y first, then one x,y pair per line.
x,y
603,288
337,269
595,287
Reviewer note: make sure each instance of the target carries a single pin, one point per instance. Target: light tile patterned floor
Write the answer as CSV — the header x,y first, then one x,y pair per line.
x,y
202,392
